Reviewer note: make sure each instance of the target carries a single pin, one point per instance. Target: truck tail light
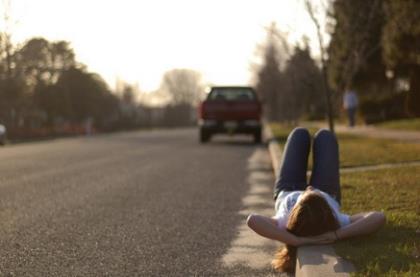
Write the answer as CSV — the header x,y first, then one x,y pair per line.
x,y
260,110
200,110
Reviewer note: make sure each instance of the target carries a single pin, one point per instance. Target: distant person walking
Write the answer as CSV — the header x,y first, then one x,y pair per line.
x,y
350,103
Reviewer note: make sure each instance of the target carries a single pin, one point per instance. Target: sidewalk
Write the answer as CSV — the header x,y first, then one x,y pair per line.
x,y
371,131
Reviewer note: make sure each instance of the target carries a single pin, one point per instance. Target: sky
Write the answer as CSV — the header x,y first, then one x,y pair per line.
x,y
137,41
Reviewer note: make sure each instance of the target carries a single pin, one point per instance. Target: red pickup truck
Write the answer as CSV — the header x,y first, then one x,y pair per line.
x,y
230,110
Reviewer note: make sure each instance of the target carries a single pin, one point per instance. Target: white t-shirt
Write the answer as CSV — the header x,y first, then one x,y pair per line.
x,y
287,200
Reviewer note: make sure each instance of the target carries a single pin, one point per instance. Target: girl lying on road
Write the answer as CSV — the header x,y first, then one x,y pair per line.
x,y
310,214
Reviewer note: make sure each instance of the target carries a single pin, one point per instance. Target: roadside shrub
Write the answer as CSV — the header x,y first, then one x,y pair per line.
x,y
374,110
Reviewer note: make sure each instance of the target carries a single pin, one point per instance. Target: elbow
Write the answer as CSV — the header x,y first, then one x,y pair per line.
x,y
254,222
250,221
378,220
381,218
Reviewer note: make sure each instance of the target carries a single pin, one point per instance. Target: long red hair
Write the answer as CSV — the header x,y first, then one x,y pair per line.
x,y
311,216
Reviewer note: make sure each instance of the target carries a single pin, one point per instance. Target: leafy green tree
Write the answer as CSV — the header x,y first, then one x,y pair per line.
x,y
28,75
13,100
401,46
40,60
85,95
375,45
355,42
43,79
306,97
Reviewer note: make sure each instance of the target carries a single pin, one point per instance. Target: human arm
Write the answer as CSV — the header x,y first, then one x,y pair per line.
x,y
360,224
267,227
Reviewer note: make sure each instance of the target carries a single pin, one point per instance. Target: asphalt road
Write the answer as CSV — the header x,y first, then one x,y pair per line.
x,y
153,203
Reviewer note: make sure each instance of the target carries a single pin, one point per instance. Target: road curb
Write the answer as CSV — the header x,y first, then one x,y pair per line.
x,y
274,149
311,260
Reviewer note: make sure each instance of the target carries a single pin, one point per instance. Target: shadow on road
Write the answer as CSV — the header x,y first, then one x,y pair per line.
x,y
233,141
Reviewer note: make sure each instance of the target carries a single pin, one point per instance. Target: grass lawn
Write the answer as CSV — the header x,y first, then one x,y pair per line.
x,y
403,124
357,150
395,249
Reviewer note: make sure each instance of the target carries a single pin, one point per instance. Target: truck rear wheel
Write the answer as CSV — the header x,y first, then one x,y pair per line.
x,y
204,136
257,137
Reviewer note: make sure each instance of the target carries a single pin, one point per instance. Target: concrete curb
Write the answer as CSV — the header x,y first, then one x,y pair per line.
x,y
316,260
274,149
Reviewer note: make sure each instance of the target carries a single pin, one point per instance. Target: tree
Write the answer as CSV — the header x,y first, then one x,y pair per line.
x,y
401,44
12,89
128,107
85,95
12,100
39,63
306,90
6,46
40,60
184,86
41,81
327,91
355,46
270,81
374,46
355,53
288,82
185,89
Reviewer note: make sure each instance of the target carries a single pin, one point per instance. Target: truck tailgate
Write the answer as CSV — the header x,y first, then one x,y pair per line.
x,y
231,110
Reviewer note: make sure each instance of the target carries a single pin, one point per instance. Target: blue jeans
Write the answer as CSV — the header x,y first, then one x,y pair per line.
x,y
351,113
325,173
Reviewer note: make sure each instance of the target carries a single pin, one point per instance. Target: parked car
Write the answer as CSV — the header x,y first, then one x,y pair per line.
x,y
2,135
230,110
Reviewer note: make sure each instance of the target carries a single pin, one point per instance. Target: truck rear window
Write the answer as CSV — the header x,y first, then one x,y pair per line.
x,y
231,94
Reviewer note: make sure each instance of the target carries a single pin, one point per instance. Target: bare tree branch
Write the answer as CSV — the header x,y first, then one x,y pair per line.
x,y
310,10
273,31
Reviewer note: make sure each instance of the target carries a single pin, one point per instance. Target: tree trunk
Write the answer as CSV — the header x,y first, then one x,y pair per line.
x,y
414,93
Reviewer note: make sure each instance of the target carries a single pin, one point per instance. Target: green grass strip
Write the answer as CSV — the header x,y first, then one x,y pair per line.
x,y
403,124
395,249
